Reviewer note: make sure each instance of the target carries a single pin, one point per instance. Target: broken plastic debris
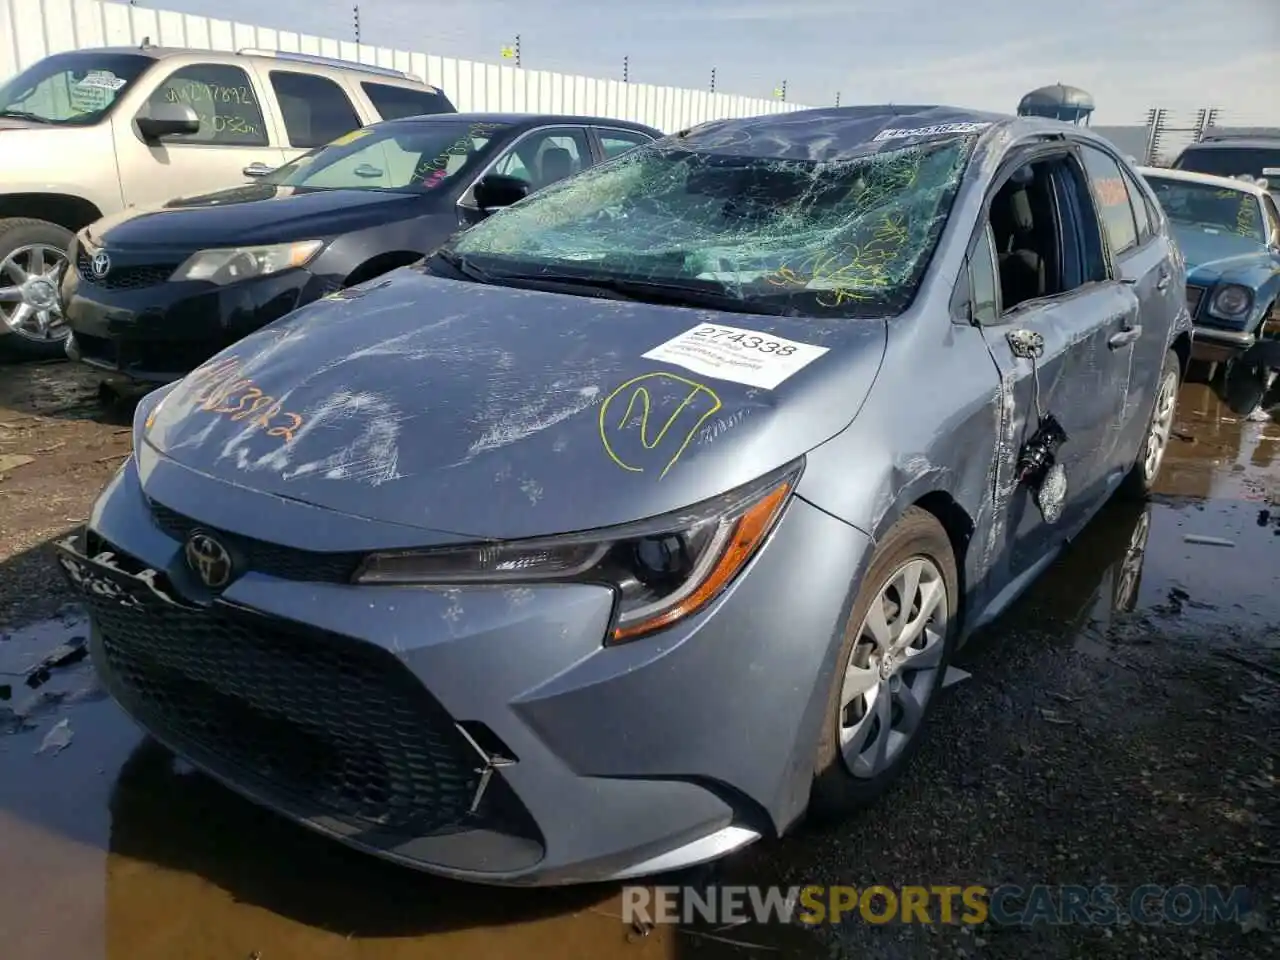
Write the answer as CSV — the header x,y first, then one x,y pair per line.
x,y
9,461
1208,541
58,738
955,675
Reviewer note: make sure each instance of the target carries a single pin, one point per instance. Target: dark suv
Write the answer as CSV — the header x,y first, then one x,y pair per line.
x,y
1253,153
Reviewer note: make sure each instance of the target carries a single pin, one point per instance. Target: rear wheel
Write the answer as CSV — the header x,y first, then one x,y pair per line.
x,y
896,649
33,256
1146,470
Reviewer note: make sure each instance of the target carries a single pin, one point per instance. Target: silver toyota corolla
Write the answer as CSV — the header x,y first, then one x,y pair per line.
x,y
646,515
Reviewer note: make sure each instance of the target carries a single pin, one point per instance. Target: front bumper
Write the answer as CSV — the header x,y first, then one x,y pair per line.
x,y
367,713
160,332
1215,345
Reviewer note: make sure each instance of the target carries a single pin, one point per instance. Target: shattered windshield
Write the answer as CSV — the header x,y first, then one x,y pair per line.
x,y
1210,207
848,237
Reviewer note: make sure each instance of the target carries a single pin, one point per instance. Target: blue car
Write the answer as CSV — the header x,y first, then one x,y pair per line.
x,y
1229,233
645,516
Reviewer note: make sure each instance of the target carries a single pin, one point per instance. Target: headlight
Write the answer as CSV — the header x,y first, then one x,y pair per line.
x,y
1231,300
662,570
241,263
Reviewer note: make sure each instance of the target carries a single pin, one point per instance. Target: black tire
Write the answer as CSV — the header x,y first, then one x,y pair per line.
x,y
836,791
18,232
1139,482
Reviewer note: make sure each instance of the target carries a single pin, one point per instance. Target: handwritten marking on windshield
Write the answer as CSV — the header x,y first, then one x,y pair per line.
x,y
219,390
856,274
619,433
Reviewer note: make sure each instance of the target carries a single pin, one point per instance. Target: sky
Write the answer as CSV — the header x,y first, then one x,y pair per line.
x,y
1130,54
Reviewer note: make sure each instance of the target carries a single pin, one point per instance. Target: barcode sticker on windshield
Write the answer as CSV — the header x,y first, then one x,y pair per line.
x,y
738,355
101,80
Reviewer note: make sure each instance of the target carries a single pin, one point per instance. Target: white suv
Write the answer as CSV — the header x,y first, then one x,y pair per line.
x,y
87,133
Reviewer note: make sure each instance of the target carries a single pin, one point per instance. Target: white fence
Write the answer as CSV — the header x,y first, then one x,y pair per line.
x,y
31,29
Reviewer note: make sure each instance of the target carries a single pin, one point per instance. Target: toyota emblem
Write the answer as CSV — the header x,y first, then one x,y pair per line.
x,y
208,560
101,264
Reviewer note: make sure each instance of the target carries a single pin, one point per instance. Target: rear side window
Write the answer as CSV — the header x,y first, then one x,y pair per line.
x,y
1141,213
223,97
395,103
1112,197
316,110
615,142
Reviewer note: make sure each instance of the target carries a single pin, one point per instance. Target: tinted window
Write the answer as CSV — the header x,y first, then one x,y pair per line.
x,y
393,103
316,110
1112,198
615,142
546,156
224,99
1211,208
412,156
71,88
1231,161
983,284
775,233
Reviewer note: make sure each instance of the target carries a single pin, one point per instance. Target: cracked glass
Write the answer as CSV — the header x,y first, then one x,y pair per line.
x,y
848,237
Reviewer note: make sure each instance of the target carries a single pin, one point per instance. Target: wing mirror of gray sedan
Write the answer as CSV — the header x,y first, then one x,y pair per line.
x,y
168,120
497,190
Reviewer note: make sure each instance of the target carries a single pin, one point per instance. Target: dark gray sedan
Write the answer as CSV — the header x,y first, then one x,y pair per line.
x,y
647,514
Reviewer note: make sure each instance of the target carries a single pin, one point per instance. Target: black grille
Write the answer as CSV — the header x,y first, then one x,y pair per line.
x,y
269,558
1193,299
125,278
311,721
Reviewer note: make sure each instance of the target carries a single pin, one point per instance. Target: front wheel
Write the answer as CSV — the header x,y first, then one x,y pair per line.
x,y
33,256
896,649
1141,480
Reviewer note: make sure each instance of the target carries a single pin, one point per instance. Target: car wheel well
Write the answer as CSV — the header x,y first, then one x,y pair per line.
x,y
1182,347
70,212
958,524
382,263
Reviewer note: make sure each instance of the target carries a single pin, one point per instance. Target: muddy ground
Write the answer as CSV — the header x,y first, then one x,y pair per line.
x,y
1121,726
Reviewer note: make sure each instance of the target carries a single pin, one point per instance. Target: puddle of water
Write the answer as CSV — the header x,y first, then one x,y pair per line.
x,y
111,849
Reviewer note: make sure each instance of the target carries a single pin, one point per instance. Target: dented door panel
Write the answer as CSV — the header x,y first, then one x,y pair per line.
x,y
1081,380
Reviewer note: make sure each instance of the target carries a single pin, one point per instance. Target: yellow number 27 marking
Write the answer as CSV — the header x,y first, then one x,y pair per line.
x,y
614,432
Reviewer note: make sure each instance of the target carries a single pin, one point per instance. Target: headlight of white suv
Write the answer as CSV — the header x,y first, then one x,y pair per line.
x,y
662,570
231,264
1231,300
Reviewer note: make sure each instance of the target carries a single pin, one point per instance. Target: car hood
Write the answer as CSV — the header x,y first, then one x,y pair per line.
x,y
494,412
1209,255
253,214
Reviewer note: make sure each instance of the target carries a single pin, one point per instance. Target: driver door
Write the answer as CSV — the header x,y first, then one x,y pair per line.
x,y
539,157
234,133
1041,255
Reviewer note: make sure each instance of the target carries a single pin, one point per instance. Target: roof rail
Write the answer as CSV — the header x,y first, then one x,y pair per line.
x,y
334,62
1241,133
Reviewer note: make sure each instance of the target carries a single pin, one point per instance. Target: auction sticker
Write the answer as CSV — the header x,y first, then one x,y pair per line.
x,y
741,356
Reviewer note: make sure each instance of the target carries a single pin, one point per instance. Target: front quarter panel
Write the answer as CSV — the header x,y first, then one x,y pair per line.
x,y
930,427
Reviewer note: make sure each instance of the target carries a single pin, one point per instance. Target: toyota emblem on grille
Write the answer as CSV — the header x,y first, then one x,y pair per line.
x,y
208,560
101,263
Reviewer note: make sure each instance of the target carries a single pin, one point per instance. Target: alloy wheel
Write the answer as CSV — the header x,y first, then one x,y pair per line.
x,y
1161,425
892,667
30,301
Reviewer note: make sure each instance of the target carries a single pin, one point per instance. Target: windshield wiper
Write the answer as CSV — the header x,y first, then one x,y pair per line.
x,y
24,115
713,296
462,265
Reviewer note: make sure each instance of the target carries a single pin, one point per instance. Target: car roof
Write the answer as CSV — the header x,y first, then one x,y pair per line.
x,y
1208,179
284,58
847,130
1226,143
530,120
